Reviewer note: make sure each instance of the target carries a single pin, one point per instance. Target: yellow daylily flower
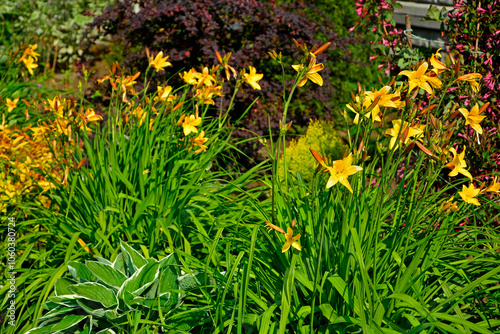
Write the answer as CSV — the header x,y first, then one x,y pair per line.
x,y
199,141
340,171
471,78
90,116
312,73
56,106
164,94
190,77
159,62
353,106
189,124
205,95
39,132
397,130
437,65
473,118
205,78
30,51
62,126
385,100
252,78
11,104
458,164
30,64
494,187
468,194
418,78
291,240
46,185
449,205
140,114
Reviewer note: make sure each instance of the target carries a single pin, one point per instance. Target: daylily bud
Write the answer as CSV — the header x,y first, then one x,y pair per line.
x,y
424,149
321,48
433,121
483,108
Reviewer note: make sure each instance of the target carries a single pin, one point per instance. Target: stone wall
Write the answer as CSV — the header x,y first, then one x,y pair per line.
x,y
426,29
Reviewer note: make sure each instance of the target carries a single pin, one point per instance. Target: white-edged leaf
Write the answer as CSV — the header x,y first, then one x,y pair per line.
x,y
141,279
107,273
133,259
95,292
67,322
80,272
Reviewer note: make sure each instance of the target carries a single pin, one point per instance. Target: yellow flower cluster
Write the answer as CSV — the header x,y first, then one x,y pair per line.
x,y
204,84
29,57
120,82
417,129
66,116
189,125
25,159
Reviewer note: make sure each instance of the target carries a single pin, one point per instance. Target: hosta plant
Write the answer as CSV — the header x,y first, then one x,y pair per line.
x,y
132,294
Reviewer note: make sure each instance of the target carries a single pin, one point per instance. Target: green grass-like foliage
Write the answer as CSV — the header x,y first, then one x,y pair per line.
x,y
120,296
322,137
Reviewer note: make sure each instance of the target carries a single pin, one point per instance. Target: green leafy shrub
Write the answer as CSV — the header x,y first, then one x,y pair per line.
x,y
57,26
128,295
322,137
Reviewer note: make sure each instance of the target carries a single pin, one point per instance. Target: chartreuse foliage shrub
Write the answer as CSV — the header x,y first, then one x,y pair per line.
x,y
322,137
191,32
110,297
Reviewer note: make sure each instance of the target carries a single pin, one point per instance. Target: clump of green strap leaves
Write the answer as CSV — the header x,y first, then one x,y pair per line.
x,y
130,294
